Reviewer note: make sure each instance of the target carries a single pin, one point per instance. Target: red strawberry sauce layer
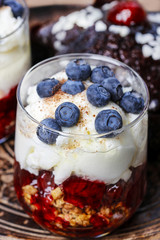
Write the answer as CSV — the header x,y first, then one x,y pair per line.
x,y
104,206
8,113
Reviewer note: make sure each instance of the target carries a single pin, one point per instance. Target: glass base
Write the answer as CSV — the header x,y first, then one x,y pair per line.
x,y
72,209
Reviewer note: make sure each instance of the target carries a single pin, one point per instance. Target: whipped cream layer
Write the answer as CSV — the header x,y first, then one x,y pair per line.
x,y
103,159
11,24
14,50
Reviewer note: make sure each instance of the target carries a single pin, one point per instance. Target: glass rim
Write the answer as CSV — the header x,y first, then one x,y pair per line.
x,y
24,17
86,56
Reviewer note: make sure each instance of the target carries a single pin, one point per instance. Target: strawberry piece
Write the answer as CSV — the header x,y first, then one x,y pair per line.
x,y
62,222
98,221
48,213
81,192
45,182
127,13
114,193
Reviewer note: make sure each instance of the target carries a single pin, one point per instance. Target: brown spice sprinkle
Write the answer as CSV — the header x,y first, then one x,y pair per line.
x,y
74,215
56,97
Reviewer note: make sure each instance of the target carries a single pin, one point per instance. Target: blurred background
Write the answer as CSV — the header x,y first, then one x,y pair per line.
x,y
149,5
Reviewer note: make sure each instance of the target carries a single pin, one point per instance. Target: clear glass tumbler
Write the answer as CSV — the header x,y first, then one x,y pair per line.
x,y
15,60
84,184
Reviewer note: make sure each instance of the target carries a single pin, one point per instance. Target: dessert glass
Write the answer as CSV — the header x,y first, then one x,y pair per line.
x,y
84,185
14,62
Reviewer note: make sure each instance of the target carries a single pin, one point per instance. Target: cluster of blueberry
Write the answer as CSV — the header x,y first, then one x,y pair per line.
x,y
105,87
17,8
66,115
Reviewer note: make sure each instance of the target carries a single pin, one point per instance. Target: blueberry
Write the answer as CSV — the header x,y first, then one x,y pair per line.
x,y
45,135
97,95
48,87
72,87
132,102
100,73
78,70
67,114
108,120
114,87
16,7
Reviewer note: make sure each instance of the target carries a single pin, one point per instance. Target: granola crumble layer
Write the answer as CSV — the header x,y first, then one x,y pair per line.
x,y
79,207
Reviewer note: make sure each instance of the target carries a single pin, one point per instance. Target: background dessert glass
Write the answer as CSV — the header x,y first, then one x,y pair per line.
x,y
14,62
84,185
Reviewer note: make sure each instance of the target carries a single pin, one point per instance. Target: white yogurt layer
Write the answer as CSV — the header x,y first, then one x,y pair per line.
x,y
103,159
14,50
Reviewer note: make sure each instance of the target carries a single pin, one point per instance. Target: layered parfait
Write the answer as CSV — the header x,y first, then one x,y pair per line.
x,y
14,59
80,146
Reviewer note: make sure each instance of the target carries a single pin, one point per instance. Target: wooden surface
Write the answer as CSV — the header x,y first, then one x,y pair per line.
x,y
15,224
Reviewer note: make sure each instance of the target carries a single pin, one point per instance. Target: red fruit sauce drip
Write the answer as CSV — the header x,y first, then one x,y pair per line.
x,y
127,13
81,192
8,113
